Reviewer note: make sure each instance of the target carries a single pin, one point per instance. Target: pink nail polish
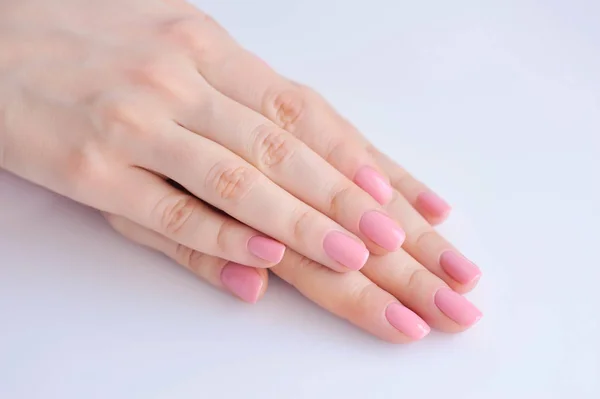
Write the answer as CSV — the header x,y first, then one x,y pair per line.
x,y
266,249
457,307
382,230
406,321
432,204
242,281
374,183
345,250
459,268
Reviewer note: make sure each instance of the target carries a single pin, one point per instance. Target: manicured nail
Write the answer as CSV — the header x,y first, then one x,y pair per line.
x,y
242,281
345,250
374,183
266,249
406,321
459,268
431,204
382,230
457,307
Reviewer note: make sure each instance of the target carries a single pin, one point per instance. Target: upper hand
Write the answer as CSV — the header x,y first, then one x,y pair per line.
x,y
104,101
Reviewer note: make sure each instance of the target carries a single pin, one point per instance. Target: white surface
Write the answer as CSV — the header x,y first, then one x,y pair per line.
x,y
496,104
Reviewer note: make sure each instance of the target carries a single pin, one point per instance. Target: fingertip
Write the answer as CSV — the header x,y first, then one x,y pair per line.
x,y
266,249
406,321
459,268
382,230
347,251
374,183
247,283
432,207
457,308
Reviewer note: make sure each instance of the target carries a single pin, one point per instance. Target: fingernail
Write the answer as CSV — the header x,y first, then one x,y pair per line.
x,y
432,204
374,183
266,249
382,230
459,268
242,281
345,250
457,307
406,321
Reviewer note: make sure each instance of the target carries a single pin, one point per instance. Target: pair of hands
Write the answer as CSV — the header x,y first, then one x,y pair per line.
x,y
109,102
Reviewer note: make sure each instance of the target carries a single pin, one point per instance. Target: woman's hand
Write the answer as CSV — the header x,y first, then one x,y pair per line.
x,y
104,101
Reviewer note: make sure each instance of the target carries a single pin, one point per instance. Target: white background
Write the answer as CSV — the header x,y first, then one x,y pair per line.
x,y
495,104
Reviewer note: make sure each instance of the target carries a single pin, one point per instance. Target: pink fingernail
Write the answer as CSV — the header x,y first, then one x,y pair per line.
x,y
406,321
459,268
345,250
242,281
374,183
266,249
382,230
457,307
432,204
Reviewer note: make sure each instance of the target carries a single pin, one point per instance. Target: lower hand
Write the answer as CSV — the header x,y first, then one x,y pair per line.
x,y
104,101
396,297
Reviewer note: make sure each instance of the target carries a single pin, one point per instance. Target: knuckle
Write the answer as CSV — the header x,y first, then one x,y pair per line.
x,y
287,108
420,237
196,261
117,116
231,182
302,225
161,74
188,258
295,272
273,146
372,150
337,150
399,178
185,31
358,302
337,199
83,169
223,234
305,265
415,279
191,33
175,212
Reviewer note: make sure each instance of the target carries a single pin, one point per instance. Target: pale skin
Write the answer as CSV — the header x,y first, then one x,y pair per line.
x,y
109,103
